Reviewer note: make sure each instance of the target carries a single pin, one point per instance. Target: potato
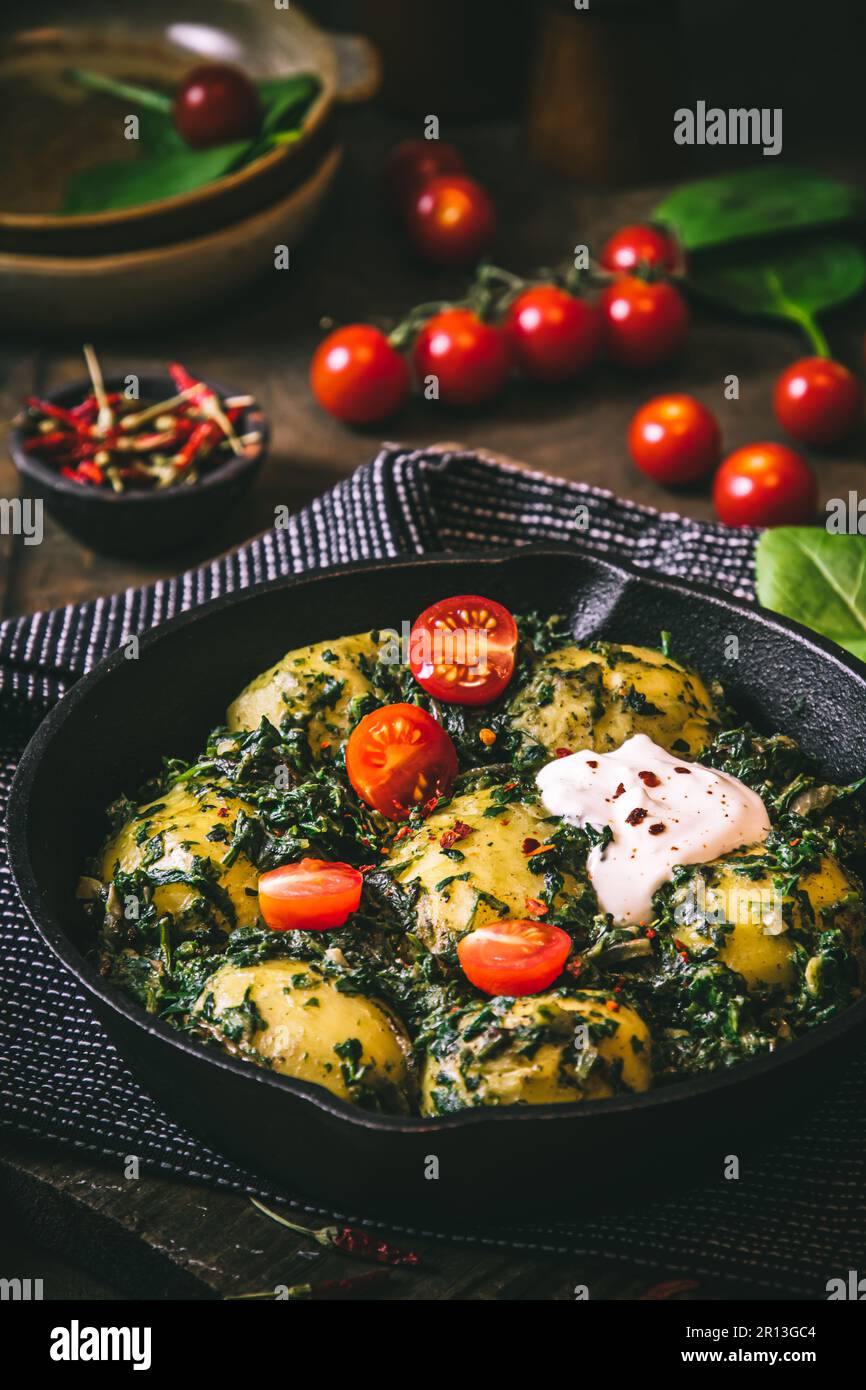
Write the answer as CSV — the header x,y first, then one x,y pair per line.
x,y
759,944
507,1063
318,681
184,817
579,698
493,863
289,1016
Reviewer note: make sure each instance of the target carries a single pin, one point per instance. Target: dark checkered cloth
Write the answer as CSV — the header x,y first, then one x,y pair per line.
x,y
797,1218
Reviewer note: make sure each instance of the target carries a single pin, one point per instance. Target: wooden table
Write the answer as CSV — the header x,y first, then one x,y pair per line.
x,y
160,1236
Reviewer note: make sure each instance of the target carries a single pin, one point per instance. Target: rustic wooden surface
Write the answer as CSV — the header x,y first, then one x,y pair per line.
x,y
160,1237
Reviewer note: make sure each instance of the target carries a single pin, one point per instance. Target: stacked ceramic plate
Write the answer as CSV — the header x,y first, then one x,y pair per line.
x,y
66,270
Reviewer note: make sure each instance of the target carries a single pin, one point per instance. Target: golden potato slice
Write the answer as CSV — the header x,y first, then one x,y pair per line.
x,y
544,1049
289,1016
757,942
170,834
492,879
579,698
318,681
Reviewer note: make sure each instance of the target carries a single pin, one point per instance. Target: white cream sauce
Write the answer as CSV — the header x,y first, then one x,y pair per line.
x,y
661,811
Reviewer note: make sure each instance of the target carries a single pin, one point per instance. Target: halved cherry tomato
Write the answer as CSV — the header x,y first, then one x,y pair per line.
x,y
553,334
818,401
633,247
513,956
470,359
452,220
398,757
765,485
312,895
412,164
357,376
463,649
644,321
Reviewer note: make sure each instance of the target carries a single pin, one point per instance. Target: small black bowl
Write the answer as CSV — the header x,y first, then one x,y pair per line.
x,y
138,523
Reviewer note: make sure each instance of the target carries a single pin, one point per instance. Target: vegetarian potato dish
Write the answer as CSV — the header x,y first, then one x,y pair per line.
x,y
484,866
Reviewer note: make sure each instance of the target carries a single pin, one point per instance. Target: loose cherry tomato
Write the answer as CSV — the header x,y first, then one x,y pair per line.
x,y
357,376
216,104
513,956
452,220
411,165
470,359
645,321
818,401
765,485
463,649
675,440
312,895
632,248
553,335
398,757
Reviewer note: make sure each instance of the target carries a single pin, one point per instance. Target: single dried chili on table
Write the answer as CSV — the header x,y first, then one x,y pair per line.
x,y
347,1239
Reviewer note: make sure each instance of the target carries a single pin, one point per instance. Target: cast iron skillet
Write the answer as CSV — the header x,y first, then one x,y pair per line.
x,y
109,733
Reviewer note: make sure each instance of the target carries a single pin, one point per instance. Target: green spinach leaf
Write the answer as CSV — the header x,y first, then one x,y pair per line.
x,y
147,180
818,579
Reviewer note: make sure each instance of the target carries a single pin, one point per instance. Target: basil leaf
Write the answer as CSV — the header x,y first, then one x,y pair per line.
x,y
756,203
148,180
818,579
790,280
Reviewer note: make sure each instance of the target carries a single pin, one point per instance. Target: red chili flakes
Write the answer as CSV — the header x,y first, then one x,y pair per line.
x,y
619,791
636,816
574,967
681,950
325,743
794,843
222,811
535,907
401,834
458,831
591,763
649,779
612,1005
529,845
430,806
658,828
686,770
650,933
562,752
365,868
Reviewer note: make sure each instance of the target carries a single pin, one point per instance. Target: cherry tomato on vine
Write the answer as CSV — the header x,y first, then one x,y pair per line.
x,y
635,246
513,956
312,895
553,335
463,649
644,321
357,376
675,440
818,401
452,220
414,163
765,485
215,104
470,359
398,757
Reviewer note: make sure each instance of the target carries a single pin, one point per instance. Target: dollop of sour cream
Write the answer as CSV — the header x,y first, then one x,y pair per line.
x,y
661,812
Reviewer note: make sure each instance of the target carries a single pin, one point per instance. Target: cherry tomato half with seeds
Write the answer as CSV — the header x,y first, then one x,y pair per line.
x,y
818,401
765,485
675,440
636,246
463,649
644,321
398,757
413,164
358,376
216,104
513,956
452,220
470,359
553,335
312,895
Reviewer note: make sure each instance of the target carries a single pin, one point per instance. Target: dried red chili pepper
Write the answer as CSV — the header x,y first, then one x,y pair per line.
x,y
348,1240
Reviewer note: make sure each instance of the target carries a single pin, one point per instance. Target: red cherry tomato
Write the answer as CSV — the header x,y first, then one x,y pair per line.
x,y
452,220
312,895
553,335
645,322
631,248
470,359
216,104
818,401
765,485
463,649
398,757
675,440
411,165
513,956
357,376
